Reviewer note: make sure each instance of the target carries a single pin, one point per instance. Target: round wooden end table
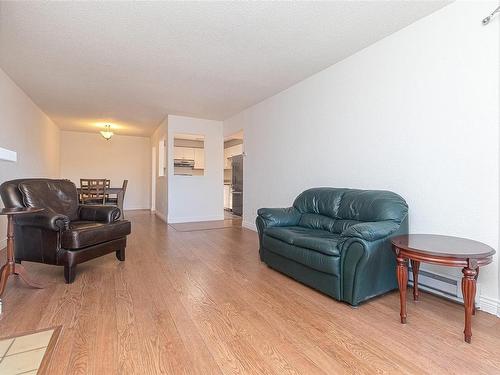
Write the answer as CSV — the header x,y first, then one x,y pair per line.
x,y
445,251
11,267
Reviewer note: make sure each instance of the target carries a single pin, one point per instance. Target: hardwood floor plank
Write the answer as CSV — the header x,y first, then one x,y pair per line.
x,y
201,302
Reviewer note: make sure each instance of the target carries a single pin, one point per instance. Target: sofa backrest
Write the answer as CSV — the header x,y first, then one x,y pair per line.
x,y
58,196
336,209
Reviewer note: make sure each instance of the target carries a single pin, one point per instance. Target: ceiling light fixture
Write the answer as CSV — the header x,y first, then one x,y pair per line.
x,y
107,133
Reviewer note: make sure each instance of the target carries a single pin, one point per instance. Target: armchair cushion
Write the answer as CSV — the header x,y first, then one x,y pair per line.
x,y
106,214
87,233
54,195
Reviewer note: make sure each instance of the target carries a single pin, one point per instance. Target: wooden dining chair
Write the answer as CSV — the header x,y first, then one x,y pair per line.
x,y
114,200
93,191
118,200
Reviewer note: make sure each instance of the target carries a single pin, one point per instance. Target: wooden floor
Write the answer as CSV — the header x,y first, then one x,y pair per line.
x,y
202,302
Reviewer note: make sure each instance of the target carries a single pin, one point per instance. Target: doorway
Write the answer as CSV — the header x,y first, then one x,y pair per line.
x,y
233,176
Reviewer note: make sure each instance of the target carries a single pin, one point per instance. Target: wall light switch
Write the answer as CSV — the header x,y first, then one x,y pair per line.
x,y
8,155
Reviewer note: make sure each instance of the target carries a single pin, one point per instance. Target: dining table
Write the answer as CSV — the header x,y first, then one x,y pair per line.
x,y
118,191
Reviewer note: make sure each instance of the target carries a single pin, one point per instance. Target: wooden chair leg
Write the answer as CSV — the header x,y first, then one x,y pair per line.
x,y
69,273
120,254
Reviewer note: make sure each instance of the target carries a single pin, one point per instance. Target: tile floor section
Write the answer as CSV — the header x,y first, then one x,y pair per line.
x,y
23,354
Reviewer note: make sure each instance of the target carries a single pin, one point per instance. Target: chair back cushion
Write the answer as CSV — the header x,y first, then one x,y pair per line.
x,y
59,196
335,210
10,193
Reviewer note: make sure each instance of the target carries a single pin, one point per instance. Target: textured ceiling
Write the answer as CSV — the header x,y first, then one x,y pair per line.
x,y
132,63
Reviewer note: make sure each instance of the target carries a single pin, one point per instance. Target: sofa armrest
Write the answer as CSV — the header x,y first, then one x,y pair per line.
x,y
275,217
371,231
368,269
106,214
46,219
367,259
279,217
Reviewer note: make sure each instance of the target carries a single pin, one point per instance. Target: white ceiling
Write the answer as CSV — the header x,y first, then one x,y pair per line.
x,y
132,63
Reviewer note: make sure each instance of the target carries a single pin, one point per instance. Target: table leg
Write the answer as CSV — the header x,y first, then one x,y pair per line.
x,y
474,306
8,268
21,271
4,275
415,266
402,274
11,267
469,293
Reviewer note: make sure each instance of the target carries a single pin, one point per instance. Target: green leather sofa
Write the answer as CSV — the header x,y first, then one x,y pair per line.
x,y
336,241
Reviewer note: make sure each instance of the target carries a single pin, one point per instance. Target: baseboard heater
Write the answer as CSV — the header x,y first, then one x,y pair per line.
x,y
445,286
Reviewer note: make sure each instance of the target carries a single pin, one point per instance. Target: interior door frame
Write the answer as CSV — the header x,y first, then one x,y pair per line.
x,y
153,178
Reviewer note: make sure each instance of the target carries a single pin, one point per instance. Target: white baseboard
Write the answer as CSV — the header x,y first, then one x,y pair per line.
x,y
489,305
449,287
191,219
160,215
249,225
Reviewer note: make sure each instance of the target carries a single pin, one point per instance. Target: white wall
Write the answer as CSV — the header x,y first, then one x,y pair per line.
x,y
24,128
416,113
89,155
161,191
197,198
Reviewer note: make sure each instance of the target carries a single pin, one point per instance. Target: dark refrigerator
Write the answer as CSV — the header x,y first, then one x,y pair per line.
x,y
237,184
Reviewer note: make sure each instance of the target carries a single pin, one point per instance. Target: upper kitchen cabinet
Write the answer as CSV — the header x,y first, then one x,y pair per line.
x,y
199,158
189,155
231,151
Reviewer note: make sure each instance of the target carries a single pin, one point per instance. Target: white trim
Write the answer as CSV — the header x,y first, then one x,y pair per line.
x,y
489,305
3,243
161,216
194,218
454,291
249,225
8,155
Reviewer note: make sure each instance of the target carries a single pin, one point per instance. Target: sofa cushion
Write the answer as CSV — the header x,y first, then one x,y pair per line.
x,y
372,205
317,221
323,201
87,233
352,204
307,257
58,196
312,239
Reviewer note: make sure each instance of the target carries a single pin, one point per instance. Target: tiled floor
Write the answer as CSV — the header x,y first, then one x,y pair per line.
x,y
230,215
24,354
206,225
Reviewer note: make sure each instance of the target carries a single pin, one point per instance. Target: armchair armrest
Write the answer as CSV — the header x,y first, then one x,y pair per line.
x,y
371,231
47,219
279,217
107,214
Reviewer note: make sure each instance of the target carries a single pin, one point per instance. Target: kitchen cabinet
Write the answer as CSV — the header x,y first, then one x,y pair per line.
x,y
227,196
230,152
184,153
199,158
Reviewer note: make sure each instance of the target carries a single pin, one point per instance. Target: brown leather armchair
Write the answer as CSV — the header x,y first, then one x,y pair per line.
x,y
65,233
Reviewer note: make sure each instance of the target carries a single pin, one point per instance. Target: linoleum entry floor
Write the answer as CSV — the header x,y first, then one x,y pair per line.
x,y
27,353
202,302
206,225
